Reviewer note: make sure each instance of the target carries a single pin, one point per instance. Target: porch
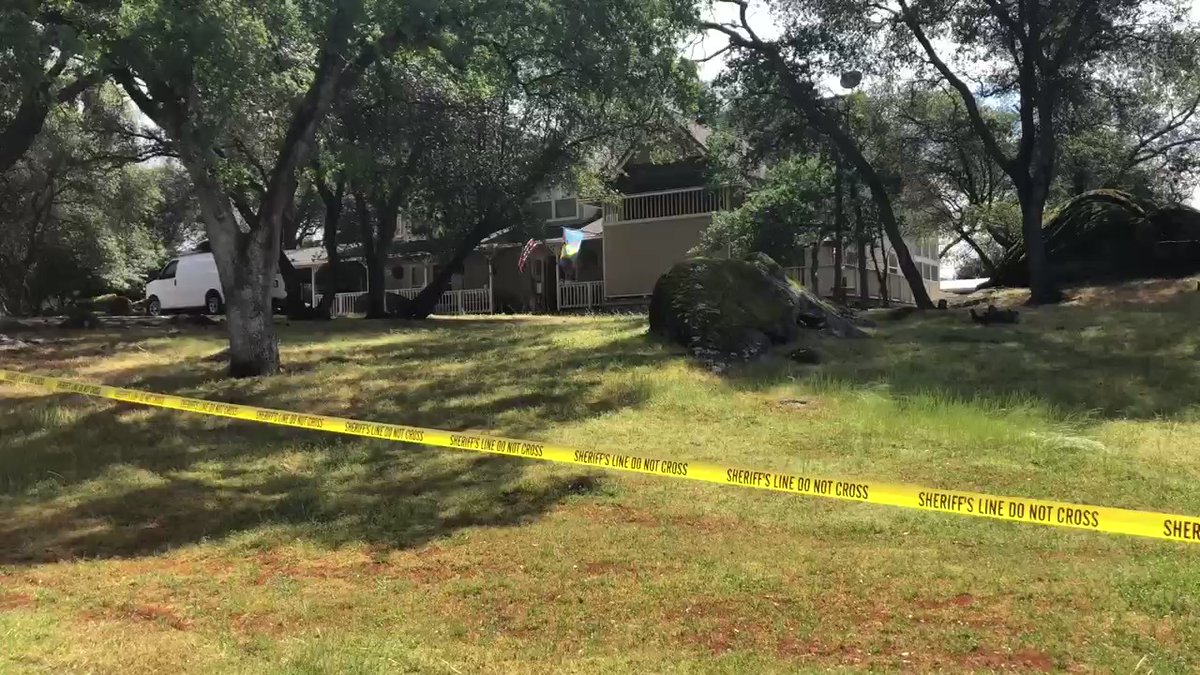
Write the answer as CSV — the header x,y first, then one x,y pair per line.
x,y
470,292
580,294
452,302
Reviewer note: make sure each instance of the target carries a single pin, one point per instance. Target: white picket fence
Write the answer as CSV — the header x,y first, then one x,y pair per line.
x,y
580,294
465,301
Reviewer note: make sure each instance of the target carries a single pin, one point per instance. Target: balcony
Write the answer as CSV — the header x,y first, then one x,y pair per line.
x,y
669,204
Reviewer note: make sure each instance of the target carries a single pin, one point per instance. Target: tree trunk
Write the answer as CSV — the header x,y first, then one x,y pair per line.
x,y
294,305
246,262
839,228
860,239
376,286
253,349
881,271
1042,289
333,216
376,255
892,228
984,258
814,261
426,301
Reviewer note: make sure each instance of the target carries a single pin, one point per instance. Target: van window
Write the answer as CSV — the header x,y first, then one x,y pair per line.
x,y
169,271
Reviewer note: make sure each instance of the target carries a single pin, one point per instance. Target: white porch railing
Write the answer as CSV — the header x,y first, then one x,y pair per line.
x,y
577,294
465,301
343,303
669,204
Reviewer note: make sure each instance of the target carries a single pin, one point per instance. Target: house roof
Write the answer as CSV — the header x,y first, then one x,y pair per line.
x,y
307,257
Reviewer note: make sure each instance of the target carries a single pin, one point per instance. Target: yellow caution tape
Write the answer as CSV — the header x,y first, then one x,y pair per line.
x,y
1037,511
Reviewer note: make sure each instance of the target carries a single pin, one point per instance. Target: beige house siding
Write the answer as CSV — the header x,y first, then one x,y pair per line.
x,y
636,254
415,271
475,271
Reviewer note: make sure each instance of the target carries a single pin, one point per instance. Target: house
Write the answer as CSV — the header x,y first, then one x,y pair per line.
x,y
658,217
879,262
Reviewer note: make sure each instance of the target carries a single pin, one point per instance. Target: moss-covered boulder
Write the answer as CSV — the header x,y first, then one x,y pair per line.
x,y
1110,235
736,309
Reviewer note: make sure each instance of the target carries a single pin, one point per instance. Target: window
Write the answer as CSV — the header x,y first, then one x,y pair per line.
x,y
893,264
169,271
566,208
541,210
851,257
558,209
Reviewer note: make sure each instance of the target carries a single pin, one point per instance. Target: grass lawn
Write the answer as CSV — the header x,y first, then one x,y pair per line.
x,y
142,541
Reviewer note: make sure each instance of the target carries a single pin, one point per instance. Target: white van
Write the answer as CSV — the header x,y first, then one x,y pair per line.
x,y
191,283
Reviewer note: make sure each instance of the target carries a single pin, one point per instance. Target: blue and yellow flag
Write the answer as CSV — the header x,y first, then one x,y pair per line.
x,y
572,240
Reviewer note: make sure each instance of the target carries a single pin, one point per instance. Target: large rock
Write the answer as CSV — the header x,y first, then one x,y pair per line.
x,y
1110,235
736,309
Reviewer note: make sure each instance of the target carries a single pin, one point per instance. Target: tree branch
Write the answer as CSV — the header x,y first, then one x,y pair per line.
x,y
964,92
714,55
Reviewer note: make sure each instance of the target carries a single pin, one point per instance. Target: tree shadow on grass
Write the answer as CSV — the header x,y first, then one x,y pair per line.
x,y
149,491
122,480
1131,363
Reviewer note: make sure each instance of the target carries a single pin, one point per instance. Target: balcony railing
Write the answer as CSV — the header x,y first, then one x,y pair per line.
x,y
580,294
669,204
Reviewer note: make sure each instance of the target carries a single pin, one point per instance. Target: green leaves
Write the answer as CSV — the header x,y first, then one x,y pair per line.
x,y
785,213
74,214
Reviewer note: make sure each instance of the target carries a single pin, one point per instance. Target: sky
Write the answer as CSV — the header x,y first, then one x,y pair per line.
x,y
767,28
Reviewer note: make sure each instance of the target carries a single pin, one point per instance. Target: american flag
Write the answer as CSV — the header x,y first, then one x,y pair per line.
x,y
525,253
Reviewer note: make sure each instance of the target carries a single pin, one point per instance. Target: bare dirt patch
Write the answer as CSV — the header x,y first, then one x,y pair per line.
x,y
155,613
11,601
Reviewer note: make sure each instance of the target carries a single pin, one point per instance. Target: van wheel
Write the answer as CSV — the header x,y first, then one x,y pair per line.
x,y
212,303
153,306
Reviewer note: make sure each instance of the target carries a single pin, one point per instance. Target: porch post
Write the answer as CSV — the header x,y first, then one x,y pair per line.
x,y
557,288
313,293
491,291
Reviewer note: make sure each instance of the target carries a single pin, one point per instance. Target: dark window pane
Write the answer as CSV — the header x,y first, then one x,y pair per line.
x,y
541,210
565,208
